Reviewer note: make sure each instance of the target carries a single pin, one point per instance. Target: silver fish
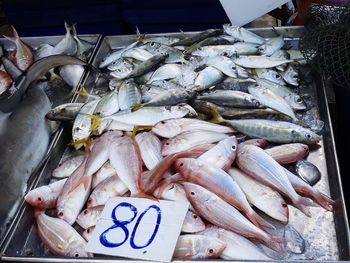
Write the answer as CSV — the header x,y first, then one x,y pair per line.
x,y
67,45
175,55
108,104
89,216
115,55
115,83
227,50
170,97
237,247
208,77
187,41
120,68
44,50
147,65
270,75
290,75
198,247
129,94
224,64
272,100
261,196
242,34
59,237
165,72
308,172
137,53
64,112
66,168
260,62
271,46
161,40
192,223
232,98
84,48
72,74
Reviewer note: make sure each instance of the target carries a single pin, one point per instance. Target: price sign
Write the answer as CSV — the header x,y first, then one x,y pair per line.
x,y
138,228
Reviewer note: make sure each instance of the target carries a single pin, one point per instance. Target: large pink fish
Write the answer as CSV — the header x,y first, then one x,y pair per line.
x,y
288,153
220,183
222,214
24,55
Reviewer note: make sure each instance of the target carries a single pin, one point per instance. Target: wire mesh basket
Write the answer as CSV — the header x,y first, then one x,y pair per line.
x,y
325,42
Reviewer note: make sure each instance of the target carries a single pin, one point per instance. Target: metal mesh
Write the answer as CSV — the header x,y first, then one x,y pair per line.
x,y
325,42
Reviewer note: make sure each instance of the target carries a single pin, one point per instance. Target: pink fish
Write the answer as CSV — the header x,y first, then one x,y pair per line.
x,y
288,153
5,81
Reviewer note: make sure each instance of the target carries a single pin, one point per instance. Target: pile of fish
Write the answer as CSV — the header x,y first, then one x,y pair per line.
x,y
185,122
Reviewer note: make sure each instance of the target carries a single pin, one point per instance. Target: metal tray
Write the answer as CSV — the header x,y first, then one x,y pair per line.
x,y
34,42
326,234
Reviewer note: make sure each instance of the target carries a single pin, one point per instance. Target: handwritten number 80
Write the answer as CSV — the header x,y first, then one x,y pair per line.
x,y
122,224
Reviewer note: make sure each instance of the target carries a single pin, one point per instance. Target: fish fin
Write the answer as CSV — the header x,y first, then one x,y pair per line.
x,y
96,120
139,37
324,201
139,128
83,92
276,243
136,106
216,117
259,221
144,195
14,36
86,141
85,180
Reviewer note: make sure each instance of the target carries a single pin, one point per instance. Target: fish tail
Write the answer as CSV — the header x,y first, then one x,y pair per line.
x,y
216,117
324,201
85,180
14,38
139,128
139,37
96,121
301,203
258,220
83,92
276,243
136,106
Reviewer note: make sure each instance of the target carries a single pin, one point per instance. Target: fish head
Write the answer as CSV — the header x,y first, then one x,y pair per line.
x,y
295,101
282,212
215,247
183,165
24,63
163,127
77,249
262,50
88,232
305,135
35,198
179,111
230,29
195,223
66,214
83,217
230,145
152,46
195,193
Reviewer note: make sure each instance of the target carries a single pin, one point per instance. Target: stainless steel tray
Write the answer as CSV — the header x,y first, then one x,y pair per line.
x,y
326,234
34,42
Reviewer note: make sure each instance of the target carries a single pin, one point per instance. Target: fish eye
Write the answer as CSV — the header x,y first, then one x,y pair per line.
x,y
152,44
233,147
60,214
167,143
284,205
308,136
119,70
85,212
294,132
114,62
278,76
225,54
200,48
181,164
233,67
192,193
211,251
162,122
76,255
295,77
39,199
88,230
195,216
299,100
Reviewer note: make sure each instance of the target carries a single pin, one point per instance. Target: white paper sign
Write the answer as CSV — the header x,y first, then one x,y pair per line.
x,y
242,12
138,228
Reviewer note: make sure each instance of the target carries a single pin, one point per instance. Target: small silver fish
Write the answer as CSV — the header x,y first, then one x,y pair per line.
x,y
129,94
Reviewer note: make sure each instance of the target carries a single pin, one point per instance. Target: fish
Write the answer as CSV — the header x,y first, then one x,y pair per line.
x,y
151,179
275,131
71,74
172,191
102,174
24,56
305,189
67,45
222,154
64,112
262,143
165,72
115,55
193,246
59,237
273,101
260,61
5,81
288,153
308,172
271,45
242,72
231,98
147,116
137,53
84,47
89,216
125,157
110,187
207,78
146,66
120,69
115,84
82,124
44,50
220,183
243,35
120,64
188,139
237,246
150,149
88,233
129,94
238,48
166,84
11,68
45,197
173,127
218,212
261,196
66,168
224,64
192,223
73,195
160,39
170,97
235,84
290,75
206,42
108,104
256,163
229,112
292,98
187,41
270,75
174,55
25,135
